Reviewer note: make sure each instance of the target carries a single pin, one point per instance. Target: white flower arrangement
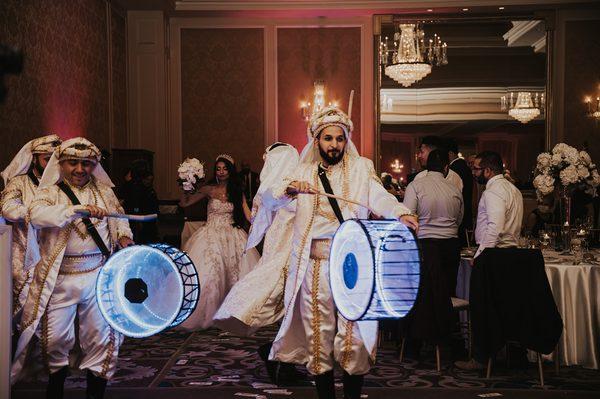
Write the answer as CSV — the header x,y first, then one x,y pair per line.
x,y
190,172
565,164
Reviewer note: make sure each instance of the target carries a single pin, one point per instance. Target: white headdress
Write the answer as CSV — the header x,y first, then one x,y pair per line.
x,y
329,116
22,161
280,162
75,148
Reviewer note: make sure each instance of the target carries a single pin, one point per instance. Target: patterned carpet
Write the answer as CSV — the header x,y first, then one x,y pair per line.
x,y
215,359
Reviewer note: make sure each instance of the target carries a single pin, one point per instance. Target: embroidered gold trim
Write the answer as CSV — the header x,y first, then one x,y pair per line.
x,y
44,342
316,317
38,295
347,351
305,235
110,348
82,271
45,200
17,293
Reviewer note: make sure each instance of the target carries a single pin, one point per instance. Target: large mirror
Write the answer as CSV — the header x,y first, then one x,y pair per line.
x,y
481,82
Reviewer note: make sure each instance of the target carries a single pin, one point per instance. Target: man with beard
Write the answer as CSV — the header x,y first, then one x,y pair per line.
x,y
313,333
21,180
61,305
428,144
499,219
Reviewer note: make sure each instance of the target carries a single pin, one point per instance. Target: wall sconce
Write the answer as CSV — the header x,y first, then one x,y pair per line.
x,y
593,112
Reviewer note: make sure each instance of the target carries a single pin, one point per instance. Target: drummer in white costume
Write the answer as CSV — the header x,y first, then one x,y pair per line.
x,y
64,280
257,299
312,331
21,180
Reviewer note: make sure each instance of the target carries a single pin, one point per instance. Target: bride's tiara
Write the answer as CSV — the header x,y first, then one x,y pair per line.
x,y
227,157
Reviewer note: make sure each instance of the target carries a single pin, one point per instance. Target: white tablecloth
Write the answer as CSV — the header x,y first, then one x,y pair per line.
x,y
576,291
188,229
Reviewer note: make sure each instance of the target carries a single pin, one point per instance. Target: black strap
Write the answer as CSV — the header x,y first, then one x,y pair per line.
x,y
332,201
33,177
88,223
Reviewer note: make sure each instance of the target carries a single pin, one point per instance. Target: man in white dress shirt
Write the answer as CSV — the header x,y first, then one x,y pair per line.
x,y
500,212
499,219
439,205
428,144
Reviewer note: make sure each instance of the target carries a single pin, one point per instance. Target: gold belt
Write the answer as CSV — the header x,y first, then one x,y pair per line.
x,y
319,249
79,264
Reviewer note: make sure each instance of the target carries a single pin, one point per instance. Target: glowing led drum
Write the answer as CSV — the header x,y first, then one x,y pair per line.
x,y
144,289
374,269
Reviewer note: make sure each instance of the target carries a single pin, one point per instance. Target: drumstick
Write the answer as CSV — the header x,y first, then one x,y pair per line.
x,y
341,199
135,218
346,200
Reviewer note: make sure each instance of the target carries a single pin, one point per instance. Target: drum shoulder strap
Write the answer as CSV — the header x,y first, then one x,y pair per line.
x,y
33,177
332,201
86,221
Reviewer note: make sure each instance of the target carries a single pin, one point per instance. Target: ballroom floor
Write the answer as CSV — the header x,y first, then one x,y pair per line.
x,y
216,365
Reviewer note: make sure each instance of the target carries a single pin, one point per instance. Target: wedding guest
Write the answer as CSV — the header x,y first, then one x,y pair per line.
x,y
541,216
460,166
499,219
439,204
428,144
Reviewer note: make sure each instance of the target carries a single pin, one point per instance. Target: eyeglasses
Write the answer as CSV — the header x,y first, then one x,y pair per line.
x,y
477,168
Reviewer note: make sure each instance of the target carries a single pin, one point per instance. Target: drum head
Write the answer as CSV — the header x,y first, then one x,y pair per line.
x,y
351,270
139,291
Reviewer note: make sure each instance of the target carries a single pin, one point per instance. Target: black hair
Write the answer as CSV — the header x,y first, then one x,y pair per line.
x,y
451,145
235,191
491,160
275,145
139,169
432,141
438,160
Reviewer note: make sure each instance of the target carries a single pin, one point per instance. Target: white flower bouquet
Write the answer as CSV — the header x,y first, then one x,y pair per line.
x,y
568,167
190,172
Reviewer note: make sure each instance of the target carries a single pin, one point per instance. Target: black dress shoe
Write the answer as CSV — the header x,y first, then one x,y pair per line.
x,y
353,385
56,384
95,386
325,385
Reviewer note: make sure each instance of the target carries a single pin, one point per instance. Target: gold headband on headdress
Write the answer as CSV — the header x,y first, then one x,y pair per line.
x,y
227,157
80,149
45,145
330,116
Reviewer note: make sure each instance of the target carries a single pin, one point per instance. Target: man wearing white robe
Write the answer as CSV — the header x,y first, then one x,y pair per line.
x,y
62,291
257,299
21,179
312,331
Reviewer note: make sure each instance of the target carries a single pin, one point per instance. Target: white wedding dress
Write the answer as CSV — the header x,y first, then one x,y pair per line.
x,y
217,250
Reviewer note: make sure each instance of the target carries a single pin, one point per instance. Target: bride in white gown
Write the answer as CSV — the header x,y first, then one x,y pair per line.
x,y
217,248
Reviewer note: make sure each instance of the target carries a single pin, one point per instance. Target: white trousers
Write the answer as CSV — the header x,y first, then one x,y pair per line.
x,y
318,335
74,301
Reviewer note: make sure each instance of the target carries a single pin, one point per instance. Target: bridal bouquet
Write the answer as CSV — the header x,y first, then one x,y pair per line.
x,y
568,167
190,172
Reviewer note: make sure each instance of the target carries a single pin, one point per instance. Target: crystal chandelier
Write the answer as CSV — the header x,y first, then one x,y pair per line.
x,y
526,107
412,58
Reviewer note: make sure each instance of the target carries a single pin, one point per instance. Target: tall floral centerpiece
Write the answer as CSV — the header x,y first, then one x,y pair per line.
x,y
565,169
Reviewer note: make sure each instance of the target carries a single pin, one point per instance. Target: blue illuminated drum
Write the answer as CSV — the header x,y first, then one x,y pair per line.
x,y
374,269
144,289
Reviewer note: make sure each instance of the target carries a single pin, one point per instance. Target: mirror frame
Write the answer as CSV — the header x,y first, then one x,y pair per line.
x,y
549,22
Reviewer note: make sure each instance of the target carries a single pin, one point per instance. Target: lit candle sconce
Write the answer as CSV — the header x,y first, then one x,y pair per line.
x,y
593,112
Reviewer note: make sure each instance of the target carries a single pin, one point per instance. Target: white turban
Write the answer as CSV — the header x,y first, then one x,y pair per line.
x,y
280,161
22,161
329,116
75,148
